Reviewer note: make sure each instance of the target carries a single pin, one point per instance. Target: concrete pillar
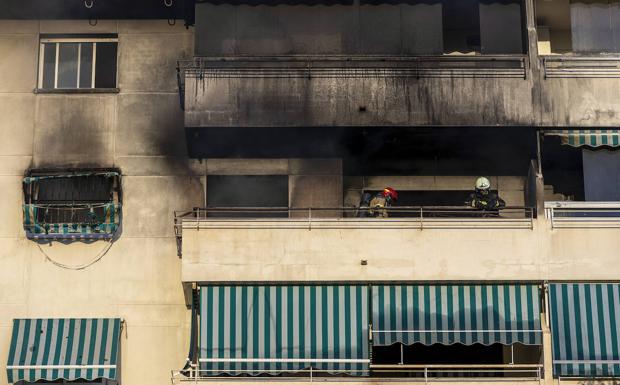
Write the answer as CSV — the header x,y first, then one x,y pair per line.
x,y
547,351
315,183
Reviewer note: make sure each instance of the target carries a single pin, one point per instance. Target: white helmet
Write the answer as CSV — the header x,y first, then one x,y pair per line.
x,y
483,184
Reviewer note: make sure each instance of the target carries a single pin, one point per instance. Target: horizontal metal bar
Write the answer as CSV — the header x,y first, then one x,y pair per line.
x,y
597,362
457,331
287,360
455,366
13,367
287,58
80,40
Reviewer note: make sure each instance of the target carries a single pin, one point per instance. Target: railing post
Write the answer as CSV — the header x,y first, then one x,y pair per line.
x,y
309,218
310,373
426,374
421,218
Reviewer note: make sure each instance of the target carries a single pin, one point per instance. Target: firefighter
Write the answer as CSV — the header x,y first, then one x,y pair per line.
x,y
483,198
379,203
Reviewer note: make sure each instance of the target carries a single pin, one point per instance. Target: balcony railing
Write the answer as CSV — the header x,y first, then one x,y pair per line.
x,y
581,66
383,373
413,217
583,214
446,66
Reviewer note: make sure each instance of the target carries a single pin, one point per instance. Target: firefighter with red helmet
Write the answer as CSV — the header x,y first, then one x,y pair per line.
x,y
381,201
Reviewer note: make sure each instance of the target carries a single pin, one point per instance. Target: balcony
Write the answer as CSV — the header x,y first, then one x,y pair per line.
x,y
302,91
428,244
583,214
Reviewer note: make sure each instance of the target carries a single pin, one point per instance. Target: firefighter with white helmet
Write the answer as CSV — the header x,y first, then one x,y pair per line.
x,y
483,198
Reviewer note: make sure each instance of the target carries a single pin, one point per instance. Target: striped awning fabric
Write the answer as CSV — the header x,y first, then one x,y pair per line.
x,y
269,329
585,327
588,138
104,222
69,349
448,314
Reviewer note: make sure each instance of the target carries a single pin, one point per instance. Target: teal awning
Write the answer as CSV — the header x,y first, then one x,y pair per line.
x,y
588,138
585,327
100,220
269,329
448,314
106,174
68,349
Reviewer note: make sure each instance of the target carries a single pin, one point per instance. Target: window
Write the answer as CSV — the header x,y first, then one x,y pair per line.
x,y
578,26
483,26
77,62
248,191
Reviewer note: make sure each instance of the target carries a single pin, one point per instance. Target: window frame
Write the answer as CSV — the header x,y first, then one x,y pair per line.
x,y
79,40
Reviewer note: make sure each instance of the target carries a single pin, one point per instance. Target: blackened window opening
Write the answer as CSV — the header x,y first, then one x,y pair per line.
x,y
247,191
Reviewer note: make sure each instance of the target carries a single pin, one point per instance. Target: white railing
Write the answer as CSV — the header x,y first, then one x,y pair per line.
x,y
351,217
567,214
376,372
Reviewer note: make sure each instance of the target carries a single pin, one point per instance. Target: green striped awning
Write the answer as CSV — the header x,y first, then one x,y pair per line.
x,y
68,349
585,327
104,221
589,138
270,329
448,314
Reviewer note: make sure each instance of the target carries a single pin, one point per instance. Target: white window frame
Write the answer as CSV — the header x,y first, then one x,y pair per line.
x,y
57,41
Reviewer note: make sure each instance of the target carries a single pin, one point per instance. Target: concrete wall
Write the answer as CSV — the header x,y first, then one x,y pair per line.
x,y
367,100
399,254
139,130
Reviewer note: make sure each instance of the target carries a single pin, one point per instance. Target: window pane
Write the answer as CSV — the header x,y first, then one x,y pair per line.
x,y
500,27
105,67
67,65
615,23
86,65
591,27
422,27
49,63
461,23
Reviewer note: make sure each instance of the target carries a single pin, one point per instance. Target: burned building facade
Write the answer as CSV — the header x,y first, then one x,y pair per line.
x,y
185,181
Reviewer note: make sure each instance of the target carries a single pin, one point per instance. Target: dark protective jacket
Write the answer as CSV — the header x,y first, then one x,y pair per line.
x,y
374,206
490,201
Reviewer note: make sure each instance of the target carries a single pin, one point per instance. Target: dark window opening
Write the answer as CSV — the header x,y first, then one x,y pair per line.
x,y
562,168
456,354
105,69
461,26
487,27
247,191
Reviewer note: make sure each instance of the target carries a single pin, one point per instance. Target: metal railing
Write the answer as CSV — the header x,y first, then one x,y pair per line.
x,y
375,372
369,66
583,214
416,217
411,217
566,66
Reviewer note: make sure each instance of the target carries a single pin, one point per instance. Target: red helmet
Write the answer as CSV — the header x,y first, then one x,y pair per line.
x,y
389,192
